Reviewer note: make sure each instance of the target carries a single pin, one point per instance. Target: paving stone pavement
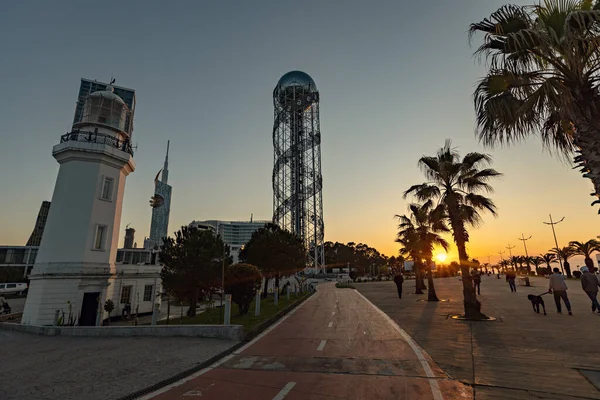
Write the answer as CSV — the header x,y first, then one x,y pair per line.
x,y
523,355
54,367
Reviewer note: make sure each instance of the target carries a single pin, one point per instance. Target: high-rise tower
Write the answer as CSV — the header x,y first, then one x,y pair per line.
x,y
75,266
161,205
297,180
38,230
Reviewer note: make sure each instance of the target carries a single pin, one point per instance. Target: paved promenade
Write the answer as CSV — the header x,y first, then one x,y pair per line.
x,y
76,368
336,345
523,355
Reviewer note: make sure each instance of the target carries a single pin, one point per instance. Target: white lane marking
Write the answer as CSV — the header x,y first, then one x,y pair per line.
x,y
330,324
286,389
227,357
321,345
433,383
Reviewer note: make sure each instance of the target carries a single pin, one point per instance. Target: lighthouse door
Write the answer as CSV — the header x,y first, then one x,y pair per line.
x,y
89,309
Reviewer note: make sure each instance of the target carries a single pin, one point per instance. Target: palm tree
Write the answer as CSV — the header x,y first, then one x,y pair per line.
x,y
586,249
564,254
504,264
409,240
523,260
549,258
455,184
536,261
514,260
422,226
543,79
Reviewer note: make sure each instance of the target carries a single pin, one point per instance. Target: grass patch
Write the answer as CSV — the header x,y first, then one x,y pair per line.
x,y
345,285
268,310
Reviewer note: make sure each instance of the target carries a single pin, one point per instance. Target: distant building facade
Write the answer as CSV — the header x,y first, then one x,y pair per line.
x,y
38,230
159,226
235,234
16,258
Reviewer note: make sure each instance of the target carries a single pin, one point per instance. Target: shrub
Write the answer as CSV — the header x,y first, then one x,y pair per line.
x,y
109,306
242,281
344,285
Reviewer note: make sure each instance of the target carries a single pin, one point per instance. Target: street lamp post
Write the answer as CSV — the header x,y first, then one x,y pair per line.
x,y
501,253
509,247
222,289
522,238
551,223
501,259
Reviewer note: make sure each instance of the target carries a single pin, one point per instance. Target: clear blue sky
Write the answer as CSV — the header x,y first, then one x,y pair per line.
x,y
395,78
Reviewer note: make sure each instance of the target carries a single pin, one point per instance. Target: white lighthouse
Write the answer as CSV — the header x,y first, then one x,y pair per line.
x,y
75,267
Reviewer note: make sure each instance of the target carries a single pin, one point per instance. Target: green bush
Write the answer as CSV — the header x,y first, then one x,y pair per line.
x,y
242,281
344,285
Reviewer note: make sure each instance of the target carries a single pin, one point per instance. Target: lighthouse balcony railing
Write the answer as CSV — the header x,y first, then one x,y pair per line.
x,y
97,137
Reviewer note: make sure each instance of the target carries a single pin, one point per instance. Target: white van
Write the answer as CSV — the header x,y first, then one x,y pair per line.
x,y
13,288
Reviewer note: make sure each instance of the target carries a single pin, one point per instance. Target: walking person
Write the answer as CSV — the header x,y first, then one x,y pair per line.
x,y
399,280
558,286
510,278
477,281
590,284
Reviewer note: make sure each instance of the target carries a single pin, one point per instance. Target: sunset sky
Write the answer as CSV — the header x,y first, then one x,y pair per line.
x,y
395,78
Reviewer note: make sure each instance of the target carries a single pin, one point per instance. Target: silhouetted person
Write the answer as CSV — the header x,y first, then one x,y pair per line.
x,y
510,278
558,286
477,281
399,280
589,284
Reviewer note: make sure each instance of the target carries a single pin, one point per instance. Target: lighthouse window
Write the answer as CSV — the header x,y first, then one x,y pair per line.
x,y
107,189
100,237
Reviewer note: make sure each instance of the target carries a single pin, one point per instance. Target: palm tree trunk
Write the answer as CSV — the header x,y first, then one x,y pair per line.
x,y
422,278
431,295
418,278
590,264
567,268
586,139
471,304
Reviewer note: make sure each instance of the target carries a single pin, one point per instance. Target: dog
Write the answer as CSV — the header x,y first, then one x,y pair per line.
x,y
537,301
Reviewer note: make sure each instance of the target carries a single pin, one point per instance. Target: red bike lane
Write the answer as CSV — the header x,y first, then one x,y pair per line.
x,y
336,345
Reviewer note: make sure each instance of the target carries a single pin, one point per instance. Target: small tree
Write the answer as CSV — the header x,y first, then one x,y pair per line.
x,y
109,306
276,252
192,264
243,281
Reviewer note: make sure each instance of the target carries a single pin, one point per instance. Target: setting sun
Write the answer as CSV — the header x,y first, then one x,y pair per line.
x,y
441,257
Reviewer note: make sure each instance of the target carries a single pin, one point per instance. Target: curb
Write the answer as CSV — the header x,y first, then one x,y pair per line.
x,y
207,363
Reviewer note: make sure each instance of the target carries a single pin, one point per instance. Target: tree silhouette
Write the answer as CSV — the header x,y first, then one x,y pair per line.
x,y
192,264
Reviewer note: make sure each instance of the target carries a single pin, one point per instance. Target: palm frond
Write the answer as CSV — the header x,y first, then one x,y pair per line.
x,y
423,192
506,19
